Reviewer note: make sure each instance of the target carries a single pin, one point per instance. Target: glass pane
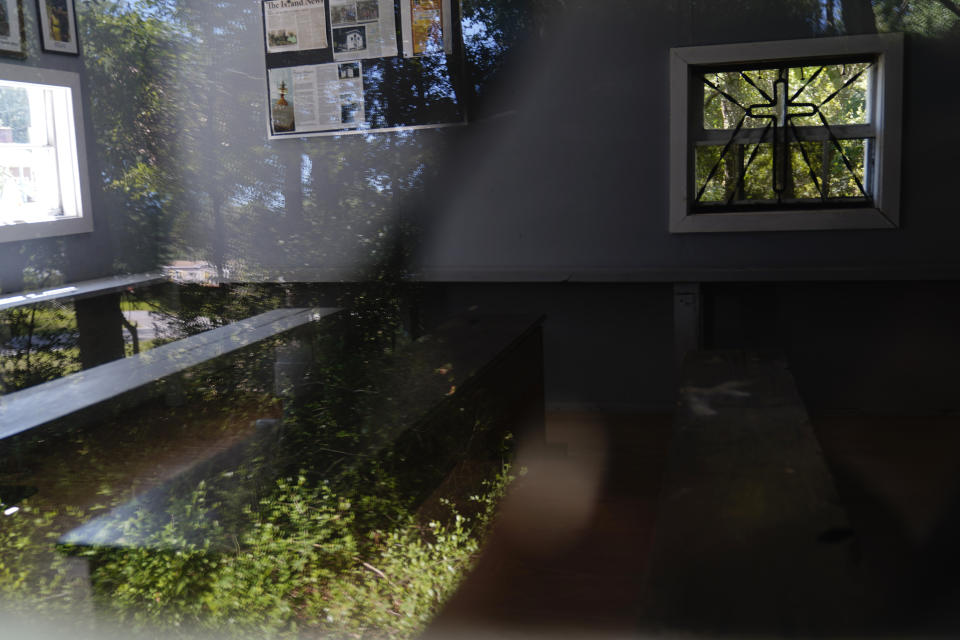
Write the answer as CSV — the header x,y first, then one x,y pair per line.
x,y
14,114
727,93
837,91
757,183
805,170
847,84
823,99
29,189
710,188
842,182
30,167
813,170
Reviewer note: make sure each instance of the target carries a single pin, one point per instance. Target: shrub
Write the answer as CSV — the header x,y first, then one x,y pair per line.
x,y
307,566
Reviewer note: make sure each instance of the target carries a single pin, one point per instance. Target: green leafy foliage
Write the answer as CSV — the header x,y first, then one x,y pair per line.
x,y
15,112
312,562
929,18
34,575
744,172
39,343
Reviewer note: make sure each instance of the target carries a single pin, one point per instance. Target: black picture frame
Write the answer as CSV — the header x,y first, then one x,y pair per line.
x,y
57,20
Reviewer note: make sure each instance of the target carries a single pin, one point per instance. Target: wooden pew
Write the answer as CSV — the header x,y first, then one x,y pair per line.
x,y
73,396
750,536
70,402
490,370
84,289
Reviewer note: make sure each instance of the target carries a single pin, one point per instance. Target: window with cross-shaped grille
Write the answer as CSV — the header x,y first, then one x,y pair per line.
x,y
786,135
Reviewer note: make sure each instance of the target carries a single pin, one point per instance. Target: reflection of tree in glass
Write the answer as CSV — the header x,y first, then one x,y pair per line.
x,y
135,53
824,96
818,84
38,342
15,112
494,28
192,174
931,18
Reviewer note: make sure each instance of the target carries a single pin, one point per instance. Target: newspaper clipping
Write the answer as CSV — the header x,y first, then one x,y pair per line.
x,y
363,29
426,26
313,98
295,25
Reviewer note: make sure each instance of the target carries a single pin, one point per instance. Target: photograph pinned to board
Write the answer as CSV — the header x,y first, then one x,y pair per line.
x,y
317,99
426,27
11,29
58,26
363,29
294,25
281,107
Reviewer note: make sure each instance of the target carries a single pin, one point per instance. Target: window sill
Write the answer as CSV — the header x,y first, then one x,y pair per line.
x,y
817,220
53,227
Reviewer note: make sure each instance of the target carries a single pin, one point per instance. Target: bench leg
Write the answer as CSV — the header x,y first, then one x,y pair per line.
x,y
687,320
78,575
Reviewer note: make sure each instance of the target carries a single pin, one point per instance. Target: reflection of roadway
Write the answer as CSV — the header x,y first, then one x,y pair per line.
x,y
54,342
147,323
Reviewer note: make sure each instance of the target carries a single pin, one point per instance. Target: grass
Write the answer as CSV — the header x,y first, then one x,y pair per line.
x,y
130,304
145,345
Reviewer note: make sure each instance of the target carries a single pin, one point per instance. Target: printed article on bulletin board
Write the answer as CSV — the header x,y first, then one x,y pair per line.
x,y
318,51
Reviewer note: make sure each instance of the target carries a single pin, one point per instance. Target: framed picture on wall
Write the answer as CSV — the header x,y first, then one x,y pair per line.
x,y
11,28
58,26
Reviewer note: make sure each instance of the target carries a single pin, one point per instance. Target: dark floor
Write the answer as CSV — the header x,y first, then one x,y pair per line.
x,y
899,480
569,552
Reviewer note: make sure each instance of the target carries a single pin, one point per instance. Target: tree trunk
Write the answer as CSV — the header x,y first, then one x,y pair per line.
x,y
99,323
858,17
731,169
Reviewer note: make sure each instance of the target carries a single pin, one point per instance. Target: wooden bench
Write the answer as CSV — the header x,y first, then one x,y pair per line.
x,y
72,395
69,402
84,289
750,536
478,368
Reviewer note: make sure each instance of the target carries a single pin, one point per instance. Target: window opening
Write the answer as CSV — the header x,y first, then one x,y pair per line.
x,y
788,135
795,136
43,186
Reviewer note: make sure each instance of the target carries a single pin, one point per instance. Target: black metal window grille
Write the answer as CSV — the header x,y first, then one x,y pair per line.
x,y
793,136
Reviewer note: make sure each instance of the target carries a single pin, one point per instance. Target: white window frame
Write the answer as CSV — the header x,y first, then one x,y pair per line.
x,y
887,105
66,121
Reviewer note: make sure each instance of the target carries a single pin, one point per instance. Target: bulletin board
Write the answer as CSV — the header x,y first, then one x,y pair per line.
x,y
339,67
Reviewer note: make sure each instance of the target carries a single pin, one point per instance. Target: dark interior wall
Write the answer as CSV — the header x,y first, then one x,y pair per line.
x,y
570,181
575,183
573,187
566,185
606,346
854,347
